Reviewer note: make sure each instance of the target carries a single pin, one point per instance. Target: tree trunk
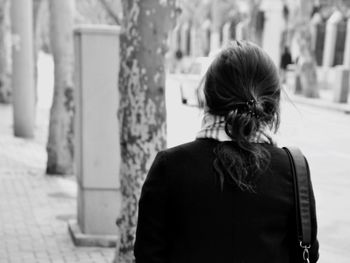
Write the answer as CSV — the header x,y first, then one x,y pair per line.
x,y
254,34
5,52
216,16
37,20
142,113
306,61
22,68
60,141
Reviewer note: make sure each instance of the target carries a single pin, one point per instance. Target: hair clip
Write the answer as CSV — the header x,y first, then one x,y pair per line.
x,y
251,102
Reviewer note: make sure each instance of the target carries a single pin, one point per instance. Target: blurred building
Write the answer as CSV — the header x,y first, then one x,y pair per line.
x,y
219,22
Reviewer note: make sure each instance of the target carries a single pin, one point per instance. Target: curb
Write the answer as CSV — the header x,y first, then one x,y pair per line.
x,y
323,104
87,240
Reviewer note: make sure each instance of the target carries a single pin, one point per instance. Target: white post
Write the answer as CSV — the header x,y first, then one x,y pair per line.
x,y
331,38
176,38
23,68
240,31
215,27
315,21
205,38
195,44
96,132
184,38
273,27
214,41
341,84
226,33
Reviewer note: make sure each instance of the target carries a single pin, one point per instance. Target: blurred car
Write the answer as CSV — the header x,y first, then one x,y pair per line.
x,y
191,83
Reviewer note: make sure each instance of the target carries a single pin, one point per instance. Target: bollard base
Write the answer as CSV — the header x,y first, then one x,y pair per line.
x,y
87,240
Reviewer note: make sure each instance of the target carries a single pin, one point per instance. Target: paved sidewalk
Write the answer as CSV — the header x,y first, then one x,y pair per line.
x,y
34,208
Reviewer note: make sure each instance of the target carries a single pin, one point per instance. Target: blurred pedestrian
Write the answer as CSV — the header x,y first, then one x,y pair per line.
x,y
286,59
228,196
178,61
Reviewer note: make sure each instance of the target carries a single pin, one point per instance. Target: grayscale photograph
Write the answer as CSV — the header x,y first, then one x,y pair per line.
x,y
174,131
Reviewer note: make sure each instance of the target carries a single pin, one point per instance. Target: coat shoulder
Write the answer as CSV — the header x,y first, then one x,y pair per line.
x,y
197,148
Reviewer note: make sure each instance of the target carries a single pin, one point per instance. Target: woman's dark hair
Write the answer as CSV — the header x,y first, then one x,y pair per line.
x,y
242,84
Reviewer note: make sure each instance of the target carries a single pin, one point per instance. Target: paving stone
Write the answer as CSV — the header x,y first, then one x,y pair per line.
x,y
32,228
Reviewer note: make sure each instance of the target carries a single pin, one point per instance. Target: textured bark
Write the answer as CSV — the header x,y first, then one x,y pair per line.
x,y
5,52
98,11
142,115
110,10
60,141
306,62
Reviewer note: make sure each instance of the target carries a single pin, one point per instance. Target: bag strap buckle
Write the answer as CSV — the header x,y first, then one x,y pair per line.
x,y
305,252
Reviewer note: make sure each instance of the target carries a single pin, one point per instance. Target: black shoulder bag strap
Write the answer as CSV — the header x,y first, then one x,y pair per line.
x,y
302,198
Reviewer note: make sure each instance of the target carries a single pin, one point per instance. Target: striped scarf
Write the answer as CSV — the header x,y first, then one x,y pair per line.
x,y
213,127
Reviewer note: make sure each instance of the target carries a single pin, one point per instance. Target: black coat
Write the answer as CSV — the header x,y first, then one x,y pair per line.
x,y
185,217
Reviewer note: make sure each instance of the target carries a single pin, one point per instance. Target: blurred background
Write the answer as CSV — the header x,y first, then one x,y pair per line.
x,y
69,68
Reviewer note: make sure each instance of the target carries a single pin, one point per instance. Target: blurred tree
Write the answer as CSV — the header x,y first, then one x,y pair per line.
x,y
60,141
220,11
23,100
195,11
306,61
98,11
255,22
5,52
200,12
86,11
38,9
111,11
216,17
142,113
5,45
